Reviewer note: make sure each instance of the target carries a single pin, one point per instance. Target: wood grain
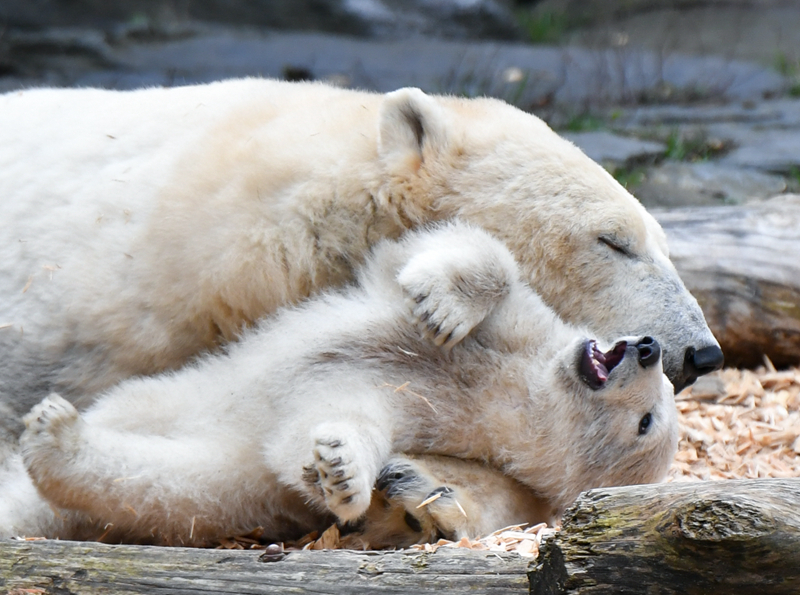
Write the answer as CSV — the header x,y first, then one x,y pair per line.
x,y
723,537
61,567
743,265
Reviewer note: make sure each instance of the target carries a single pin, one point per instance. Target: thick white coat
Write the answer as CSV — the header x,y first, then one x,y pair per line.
x,y
140,229
294,423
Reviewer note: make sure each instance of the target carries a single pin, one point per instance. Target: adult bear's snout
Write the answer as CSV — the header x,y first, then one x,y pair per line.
x,y
649,351
703,361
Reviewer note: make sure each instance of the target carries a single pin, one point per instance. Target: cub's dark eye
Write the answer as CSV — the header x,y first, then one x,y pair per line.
x,y
644,424
616,245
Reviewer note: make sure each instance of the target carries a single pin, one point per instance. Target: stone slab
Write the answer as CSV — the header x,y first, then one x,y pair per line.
x,y
606,147
526,75
676,184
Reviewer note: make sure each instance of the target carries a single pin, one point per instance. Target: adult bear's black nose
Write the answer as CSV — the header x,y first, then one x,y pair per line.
x,y
702,361
649,351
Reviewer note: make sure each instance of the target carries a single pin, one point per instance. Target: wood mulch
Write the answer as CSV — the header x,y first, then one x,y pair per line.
x,y
740,424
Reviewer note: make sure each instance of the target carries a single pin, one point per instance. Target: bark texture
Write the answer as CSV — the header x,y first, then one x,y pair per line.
x,y
723,537
62,567
743,266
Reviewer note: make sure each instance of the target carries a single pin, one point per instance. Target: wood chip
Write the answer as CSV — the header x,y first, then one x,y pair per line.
x,y
750,429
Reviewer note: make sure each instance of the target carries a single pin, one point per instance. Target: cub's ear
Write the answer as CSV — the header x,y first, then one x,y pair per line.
x,y
412,126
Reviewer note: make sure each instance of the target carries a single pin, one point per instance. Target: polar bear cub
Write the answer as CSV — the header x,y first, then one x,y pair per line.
x,y
439,349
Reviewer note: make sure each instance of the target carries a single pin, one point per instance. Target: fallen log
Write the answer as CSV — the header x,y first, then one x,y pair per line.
x,y
742,264
723,537
719,537
57,567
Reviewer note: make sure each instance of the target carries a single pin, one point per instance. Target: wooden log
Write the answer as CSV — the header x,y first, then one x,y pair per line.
x,y
58,567
723,537
743,266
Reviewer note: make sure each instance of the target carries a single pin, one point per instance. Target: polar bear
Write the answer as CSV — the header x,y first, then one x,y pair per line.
x,y
296,422
142,228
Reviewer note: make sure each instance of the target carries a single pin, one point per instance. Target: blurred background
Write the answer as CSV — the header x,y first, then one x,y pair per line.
x,y
686,102
679,99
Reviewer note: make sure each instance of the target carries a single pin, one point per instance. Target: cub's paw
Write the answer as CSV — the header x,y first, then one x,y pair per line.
x,y
346,488
50,421
448,297
431,510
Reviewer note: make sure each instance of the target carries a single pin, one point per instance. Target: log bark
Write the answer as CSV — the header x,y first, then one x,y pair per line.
x,y
723,537
743,266
61,567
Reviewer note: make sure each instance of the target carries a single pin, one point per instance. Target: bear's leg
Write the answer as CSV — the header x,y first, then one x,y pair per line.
x,y
347,459
454,278
142,485
452,498
23,511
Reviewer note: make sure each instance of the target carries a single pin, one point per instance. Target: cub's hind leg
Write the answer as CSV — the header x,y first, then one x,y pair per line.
x,y
426,497
142,486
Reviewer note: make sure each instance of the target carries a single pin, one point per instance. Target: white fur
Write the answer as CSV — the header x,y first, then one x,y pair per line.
x,y
296,421
140,229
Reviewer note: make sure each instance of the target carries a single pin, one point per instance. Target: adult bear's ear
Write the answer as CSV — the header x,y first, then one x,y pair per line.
x,y
412,125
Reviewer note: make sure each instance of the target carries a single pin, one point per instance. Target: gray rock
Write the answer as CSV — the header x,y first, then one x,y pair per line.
x,y
462,19
647,116
763,113
525,75
608,148
770,149
675,184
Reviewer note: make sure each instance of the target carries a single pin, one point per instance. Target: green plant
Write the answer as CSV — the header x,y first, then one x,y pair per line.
x,y
691,147
630,177
786,66
584,122
790,68
542,27
794,178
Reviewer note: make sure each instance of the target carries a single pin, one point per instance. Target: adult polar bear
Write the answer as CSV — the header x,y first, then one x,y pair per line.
x,y
141,228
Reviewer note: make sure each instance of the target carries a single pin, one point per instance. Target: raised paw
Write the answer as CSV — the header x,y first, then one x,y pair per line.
x,y
50,419
449,293
51,438
346,488
442,319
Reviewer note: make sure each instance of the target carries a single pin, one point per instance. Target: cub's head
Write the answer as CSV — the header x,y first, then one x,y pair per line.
x,y
620,413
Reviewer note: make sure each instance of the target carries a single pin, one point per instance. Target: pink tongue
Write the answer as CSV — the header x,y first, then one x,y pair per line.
x,y
596,365
612,357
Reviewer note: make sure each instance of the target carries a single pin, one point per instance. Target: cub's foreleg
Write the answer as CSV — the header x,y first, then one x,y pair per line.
x,y
454,278
346,461
140,486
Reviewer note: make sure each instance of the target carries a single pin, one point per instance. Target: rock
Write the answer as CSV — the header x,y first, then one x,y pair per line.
x,y
532,77
675,184
462,19
611,149
767,149
601,10
762,113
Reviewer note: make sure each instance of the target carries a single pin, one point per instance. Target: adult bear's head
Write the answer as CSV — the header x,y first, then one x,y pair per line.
x,y
586,245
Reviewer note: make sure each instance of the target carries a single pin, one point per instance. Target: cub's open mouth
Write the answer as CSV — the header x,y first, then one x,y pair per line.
x,y
595,365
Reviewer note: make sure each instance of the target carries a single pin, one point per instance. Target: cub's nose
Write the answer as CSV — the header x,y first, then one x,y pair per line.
x,y
702,361
649,351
